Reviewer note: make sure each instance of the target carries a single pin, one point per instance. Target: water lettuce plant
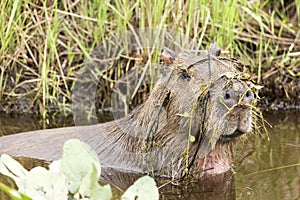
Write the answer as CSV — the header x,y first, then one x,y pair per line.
x,y
74,176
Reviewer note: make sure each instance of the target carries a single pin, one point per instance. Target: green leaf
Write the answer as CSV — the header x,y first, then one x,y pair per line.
x,y
203,86
82,169
14,166
13,169
291,72
98,191
12,16
185,153
186,114
77,164
186,170
55,166
78,170
143,188
43,184
192,138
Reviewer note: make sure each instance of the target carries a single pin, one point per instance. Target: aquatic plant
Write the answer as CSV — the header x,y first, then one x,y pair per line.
x,y
74,176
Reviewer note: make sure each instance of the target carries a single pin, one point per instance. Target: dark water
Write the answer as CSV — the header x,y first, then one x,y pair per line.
x,y
267,166
271,168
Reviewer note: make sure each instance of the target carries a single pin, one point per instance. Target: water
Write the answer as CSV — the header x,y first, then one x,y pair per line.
x,y
271,168
266,167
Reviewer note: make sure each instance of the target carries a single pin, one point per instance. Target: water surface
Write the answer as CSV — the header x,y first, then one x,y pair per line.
x,y
267,166
270,168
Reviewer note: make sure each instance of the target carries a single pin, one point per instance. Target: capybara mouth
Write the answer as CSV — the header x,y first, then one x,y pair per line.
x,y
237,133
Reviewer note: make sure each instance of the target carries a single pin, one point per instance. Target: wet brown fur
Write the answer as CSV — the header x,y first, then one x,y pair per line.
x,y
154,137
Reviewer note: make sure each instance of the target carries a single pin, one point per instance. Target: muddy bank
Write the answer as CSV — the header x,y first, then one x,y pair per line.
x,y
280,91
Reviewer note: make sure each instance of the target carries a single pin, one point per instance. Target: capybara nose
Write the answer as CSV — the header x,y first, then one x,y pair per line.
x,y
237,95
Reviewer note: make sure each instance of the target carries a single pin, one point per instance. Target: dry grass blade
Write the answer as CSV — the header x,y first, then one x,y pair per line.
x,y
50,41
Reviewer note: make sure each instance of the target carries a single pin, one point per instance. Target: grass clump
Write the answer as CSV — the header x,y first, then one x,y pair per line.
x,y
44,44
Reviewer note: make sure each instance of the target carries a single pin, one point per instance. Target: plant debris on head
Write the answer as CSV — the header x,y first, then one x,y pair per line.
x,y
187,125
216,97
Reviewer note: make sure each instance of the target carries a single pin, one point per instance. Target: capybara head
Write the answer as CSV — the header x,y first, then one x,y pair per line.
x,y
213,91
198,106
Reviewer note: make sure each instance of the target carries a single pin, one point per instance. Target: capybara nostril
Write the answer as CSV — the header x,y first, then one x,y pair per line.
x,y
248,97
238,93
227,96
230,98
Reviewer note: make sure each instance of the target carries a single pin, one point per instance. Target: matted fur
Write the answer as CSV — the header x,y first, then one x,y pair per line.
x,y
155,136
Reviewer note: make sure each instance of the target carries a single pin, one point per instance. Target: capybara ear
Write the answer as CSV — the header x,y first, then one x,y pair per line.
x,y
168,55
214,49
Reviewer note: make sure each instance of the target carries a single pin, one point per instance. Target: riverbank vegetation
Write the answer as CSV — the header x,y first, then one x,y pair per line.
x,y
45,43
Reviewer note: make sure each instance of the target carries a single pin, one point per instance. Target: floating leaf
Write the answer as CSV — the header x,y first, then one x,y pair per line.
x,y
77,163
38,183
14,166
43,184
82,168
143,188
76,173
98,191
55,166
13,169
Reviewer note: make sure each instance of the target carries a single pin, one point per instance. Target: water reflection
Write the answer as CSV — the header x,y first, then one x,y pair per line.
x,y
271,169
219,187
15,123
265,169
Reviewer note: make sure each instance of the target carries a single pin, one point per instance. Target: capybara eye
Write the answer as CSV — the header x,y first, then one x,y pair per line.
x,y
185,75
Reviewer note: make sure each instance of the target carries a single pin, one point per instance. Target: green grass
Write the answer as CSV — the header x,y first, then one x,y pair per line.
x,y
43,45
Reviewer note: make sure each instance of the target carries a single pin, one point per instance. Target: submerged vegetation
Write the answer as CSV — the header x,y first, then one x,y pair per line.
x,y
45,43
